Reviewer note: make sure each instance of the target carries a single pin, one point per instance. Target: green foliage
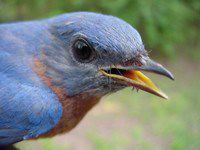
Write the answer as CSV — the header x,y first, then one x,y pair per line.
x,y
167,26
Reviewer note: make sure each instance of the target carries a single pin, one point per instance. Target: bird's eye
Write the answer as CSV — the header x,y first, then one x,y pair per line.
x,y
83,52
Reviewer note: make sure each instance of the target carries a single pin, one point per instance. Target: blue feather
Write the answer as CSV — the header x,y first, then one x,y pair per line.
x,y
28,107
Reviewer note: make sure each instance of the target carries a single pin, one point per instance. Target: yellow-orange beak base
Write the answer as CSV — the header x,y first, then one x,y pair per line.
x,y
138,80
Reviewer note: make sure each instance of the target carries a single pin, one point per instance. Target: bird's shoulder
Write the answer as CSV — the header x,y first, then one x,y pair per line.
x,y
28,107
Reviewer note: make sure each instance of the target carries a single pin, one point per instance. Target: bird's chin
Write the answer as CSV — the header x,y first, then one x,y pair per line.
x,y
132,78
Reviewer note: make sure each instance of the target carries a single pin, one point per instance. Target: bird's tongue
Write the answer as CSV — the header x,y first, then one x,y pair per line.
x,y
143,82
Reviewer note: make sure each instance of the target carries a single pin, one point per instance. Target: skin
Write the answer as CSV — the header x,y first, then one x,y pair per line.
x,y
44,89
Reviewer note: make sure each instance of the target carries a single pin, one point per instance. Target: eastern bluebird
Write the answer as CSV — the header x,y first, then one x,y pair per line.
x,y
53,71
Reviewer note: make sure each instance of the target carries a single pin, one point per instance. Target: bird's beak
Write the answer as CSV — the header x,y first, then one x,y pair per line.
x,y
133,76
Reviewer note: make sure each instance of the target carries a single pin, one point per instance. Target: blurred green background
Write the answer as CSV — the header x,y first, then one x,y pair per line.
x,y
130,120
168,26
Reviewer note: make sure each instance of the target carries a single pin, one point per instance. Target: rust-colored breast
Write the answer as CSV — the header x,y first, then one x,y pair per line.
x,y
74,108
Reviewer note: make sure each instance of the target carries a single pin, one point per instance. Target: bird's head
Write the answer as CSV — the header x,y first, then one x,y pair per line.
x,y
98,54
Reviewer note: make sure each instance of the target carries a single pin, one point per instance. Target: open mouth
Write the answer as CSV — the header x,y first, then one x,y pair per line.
x,y
134,78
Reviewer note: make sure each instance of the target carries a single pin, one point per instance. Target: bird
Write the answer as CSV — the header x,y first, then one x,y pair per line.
x,y
54,70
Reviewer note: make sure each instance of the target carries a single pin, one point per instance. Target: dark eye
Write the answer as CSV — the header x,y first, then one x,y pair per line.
x,y
83,52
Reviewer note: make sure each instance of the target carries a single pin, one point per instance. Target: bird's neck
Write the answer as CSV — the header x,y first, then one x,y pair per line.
x,y
74,107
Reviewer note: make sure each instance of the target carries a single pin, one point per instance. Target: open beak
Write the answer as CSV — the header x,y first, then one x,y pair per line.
x,y
132,76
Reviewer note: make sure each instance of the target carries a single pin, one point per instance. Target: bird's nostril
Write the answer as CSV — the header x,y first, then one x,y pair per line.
x,y
132,63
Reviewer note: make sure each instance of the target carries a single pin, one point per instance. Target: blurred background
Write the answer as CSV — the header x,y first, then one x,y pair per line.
x,y
127,119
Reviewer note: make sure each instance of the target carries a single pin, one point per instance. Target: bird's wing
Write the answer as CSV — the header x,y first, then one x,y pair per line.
x,y
27,107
